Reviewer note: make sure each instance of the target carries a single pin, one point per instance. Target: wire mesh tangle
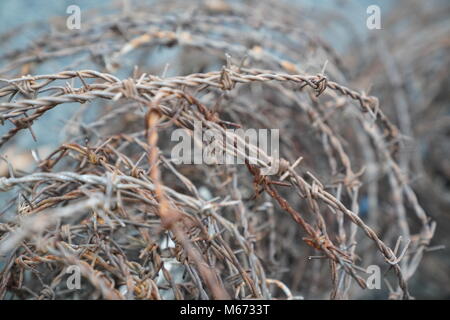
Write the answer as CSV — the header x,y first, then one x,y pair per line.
x,y
110,200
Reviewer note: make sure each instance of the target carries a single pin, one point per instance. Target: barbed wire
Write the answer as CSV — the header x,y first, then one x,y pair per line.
x,y
111,201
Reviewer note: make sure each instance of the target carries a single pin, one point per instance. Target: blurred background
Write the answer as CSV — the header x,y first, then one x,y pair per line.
x,y
405,64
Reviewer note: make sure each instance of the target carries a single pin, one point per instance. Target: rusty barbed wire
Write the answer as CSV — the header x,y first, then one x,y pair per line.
x,y
111,201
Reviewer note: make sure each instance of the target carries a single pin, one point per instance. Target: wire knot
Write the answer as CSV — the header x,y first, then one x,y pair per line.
x,y
225,81
136,172
22,123
26,87
321,83
129,88
283,165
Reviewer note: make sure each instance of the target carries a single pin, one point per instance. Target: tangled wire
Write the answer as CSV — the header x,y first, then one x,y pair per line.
x,y
111,201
